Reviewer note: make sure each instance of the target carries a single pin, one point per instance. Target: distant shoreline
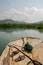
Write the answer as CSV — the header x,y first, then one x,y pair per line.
x,y
13,25
22,26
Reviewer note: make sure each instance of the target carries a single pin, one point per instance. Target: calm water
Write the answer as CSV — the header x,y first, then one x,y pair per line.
x,y
7,36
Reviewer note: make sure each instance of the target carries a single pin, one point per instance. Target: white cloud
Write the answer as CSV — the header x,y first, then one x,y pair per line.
x,y
27,14
26,9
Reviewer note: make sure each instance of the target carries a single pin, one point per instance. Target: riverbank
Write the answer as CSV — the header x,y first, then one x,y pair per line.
x,y
8,26
25,26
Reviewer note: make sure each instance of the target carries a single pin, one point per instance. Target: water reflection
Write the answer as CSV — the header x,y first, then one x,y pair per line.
x,y
11,30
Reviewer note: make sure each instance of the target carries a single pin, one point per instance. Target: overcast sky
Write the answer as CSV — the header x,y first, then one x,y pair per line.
x,y
22,10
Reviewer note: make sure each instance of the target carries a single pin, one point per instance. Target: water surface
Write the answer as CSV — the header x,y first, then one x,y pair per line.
x,y
7,36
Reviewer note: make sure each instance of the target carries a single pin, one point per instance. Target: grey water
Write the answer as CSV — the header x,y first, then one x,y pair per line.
x,y
7,36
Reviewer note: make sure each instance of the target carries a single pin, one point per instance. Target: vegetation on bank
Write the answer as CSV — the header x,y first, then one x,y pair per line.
x,y
37,26
22,26
17,26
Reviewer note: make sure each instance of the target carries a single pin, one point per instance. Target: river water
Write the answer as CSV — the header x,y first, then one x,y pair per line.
x,y
7,36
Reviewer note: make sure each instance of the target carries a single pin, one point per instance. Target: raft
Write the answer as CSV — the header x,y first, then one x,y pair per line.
x,y
14,55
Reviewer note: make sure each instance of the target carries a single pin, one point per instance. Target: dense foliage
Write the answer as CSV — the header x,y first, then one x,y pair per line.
x,y
23,26
38,26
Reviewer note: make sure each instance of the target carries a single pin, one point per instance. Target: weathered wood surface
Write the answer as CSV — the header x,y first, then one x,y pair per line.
x,y
33,41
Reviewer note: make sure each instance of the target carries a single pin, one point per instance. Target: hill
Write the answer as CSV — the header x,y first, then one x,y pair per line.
x,y
6,21
10,21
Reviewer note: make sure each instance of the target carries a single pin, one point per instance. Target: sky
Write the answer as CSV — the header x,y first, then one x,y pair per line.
x,y
30,11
